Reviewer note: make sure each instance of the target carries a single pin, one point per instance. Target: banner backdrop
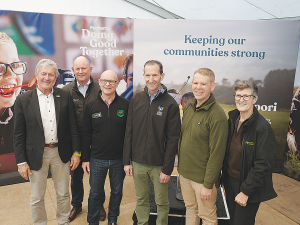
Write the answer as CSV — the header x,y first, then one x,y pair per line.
x,y
262,51
292,152
106,42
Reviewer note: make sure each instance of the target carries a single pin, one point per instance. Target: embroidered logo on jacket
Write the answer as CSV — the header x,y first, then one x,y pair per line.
x,y
120,113
249,143
96,115
160,109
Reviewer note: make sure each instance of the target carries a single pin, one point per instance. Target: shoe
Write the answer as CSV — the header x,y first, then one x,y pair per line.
x,y
112,223
102,214
74,213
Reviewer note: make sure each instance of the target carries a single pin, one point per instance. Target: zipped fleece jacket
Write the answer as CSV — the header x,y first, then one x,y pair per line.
x,y
257,153
79,100
104,129
203,142
152,131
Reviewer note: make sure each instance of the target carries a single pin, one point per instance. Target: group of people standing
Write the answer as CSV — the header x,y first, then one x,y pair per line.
x,y
88,127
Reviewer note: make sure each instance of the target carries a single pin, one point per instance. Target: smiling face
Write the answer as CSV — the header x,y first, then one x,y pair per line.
x,y
9,54
153,77
82,70
46,79
108,90
243,106
202,86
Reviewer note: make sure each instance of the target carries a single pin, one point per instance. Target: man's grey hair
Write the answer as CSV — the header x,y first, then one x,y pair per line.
x,y
243,84
46,62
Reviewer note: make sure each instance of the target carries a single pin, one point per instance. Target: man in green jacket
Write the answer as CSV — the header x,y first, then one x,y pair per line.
x,y
204,132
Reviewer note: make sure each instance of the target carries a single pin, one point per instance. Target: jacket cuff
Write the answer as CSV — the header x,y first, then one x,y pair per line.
x,y
208,185
245,190
167,171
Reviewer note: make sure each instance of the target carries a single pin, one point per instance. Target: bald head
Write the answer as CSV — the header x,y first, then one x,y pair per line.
x,y
108,83
81,59
82,70
109,75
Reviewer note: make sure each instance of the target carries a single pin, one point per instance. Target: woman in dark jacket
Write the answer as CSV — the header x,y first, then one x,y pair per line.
x,y
247,168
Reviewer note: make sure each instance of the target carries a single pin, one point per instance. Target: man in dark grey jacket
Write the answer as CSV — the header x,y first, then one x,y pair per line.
x,y
151,142
83,90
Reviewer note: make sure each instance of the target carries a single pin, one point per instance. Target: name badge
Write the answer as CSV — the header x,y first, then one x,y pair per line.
x,y
96,115
160,110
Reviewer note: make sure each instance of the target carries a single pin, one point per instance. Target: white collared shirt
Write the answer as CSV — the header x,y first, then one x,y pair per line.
x,y
83,89
47,109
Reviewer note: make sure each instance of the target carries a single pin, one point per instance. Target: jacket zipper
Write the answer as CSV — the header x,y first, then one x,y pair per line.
x,y
144,158
243,159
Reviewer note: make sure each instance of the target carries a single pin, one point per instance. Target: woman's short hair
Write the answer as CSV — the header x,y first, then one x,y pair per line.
x,y
243,84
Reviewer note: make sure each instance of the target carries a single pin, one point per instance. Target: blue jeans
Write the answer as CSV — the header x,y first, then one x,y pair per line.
x,y
77,187
97,179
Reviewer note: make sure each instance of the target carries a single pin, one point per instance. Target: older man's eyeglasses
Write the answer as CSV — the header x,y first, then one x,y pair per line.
x,y
111,82
18,68
245,97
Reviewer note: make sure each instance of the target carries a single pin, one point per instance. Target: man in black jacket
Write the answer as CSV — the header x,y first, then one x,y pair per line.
x,y
104,124
83,90
46,135
151,142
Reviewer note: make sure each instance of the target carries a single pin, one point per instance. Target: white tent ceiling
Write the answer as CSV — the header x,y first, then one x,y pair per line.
x,y
142,9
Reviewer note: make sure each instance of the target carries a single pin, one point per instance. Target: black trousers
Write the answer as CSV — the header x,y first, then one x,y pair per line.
x,y
239,215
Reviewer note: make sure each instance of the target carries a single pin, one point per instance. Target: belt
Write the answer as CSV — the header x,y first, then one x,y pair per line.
x,y
51,145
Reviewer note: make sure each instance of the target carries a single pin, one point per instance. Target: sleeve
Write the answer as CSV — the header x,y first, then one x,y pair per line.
x,y
264,154
173,125
127,148
19,138
76,141
217,147
87,132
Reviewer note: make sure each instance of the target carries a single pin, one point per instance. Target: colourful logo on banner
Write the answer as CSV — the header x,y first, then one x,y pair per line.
x,y
120,113
120,28
80,24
